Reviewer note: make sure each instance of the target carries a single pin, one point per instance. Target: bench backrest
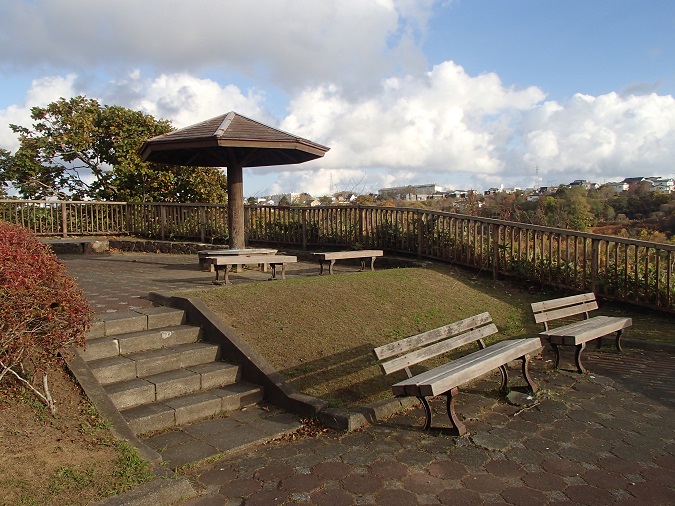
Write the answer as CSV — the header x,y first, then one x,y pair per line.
x,y
415,349
555,309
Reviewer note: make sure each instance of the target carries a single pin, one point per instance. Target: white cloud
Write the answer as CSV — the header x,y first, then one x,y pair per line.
x,y
439,126
290,42
41,92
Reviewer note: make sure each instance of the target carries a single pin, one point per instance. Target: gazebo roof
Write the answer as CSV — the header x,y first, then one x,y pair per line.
x,y
227,140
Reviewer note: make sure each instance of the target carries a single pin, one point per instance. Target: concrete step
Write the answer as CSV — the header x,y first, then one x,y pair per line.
x,y
146,363
162,415
133,321
132,342
162,386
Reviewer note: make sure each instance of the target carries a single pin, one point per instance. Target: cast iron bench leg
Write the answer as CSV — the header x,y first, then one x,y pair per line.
x,y
577,357
320,267
427,413
556,350
618,340
458,428
526,374
504,388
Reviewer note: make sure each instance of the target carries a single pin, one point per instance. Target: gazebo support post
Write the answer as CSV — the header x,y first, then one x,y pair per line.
x,y
235,207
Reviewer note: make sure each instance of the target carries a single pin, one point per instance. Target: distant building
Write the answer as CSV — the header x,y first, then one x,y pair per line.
x,y
619,187
662,185
411,192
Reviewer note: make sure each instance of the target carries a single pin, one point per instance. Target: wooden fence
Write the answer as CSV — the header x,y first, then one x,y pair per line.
x,y
628,270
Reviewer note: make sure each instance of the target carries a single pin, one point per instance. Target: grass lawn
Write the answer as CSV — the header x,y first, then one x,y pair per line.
x,y
320,331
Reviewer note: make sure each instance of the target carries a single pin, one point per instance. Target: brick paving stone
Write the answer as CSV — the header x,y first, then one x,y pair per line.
x,y
524,456
540,444
274,472
359,456
522,496
267,498
448,470
470,456
665,477
332,470
459,497
578,453
491,441
240,487
666,461
586,494
300,483
605,479
362,484
628,452
217,476
562,467
335,497
544,481
389,497
213,500
484,483
505,468
422,483
649,493
389,469
414,457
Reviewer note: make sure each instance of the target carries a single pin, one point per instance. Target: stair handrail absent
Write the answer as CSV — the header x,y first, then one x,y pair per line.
x,y
627,270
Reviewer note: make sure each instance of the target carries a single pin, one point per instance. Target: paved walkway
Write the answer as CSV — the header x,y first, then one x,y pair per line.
x,y
607,437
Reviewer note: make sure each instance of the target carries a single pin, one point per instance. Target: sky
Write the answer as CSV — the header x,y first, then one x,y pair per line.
x,y
466,94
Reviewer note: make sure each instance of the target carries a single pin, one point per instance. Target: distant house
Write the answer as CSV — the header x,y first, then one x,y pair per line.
x,y
411,192
584,183
619,187
662,185
633,182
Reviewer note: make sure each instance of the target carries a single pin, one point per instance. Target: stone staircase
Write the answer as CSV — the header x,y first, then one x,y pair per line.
x,y
158,373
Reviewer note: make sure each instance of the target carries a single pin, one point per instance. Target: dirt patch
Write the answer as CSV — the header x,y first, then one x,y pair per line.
x,y
68,459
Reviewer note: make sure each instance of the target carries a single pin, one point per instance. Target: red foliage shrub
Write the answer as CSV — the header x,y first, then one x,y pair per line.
x,y
42,311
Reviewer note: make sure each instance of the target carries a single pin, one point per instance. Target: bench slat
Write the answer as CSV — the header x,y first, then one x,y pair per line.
x,y
563,301
565,311
437,349
586,330
443,378
431,336
252,259
341,255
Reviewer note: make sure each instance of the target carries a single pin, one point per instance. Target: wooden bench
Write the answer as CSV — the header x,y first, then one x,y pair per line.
x,y
332,256
85,245
205,265
445,379
226,262
580,332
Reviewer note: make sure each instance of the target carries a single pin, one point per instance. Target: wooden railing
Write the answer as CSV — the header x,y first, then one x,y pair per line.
x,y
633,271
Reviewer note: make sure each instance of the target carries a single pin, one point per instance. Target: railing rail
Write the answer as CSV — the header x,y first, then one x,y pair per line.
x,y
634,271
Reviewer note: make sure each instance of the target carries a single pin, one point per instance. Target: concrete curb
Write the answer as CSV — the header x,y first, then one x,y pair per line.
x,y
162,491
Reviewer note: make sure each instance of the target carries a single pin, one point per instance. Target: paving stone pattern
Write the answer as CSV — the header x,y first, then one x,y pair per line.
x,y
607,437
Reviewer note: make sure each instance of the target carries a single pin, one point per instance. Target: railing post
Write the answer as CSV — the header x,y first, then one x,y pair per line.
x,y
495,250
304,229
127,218
162,223
420,234
202,223
64,223
595,254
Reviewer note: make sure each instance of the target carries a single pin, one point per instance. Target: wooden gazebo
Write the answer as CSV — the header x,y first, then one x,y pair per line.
x,y
232,141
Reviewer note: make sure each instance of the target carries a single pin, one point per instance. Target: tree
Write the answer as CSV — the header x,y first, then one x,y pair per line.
x,y
80,149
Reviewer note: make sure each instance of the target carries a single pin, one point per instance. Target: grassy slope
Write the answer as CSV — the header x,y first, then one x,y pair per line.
x,y
320,331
